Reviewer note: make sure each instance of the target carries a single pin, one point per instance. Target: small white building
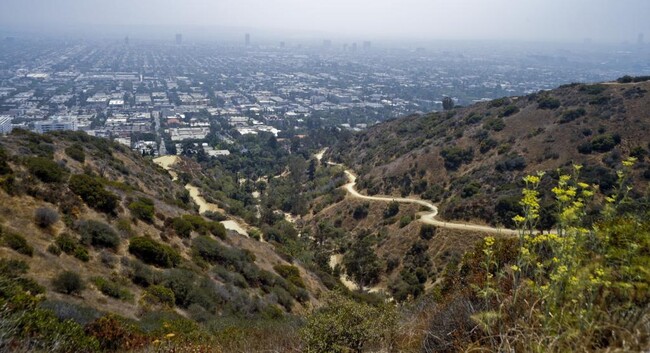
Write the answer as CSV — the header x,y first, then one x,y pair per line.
x,y
56,123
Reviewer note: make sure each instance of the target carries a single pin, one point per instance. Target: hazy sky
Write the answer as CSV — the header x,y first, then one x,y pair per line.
x,y
601,20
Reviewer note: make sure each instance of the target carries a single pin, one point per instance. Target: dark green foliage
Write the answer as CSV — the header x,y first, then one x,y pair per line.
x,y
404,221
162,295
66,243
495,124
13,268
143,209
499,102
54,250
154,253
427,231
599,100
509,110
470,189
360,211
4,166
45,217
343,325
76,152
455,156
593,89
572,115
111,288
600,143
68,282
447,103
291,274
93,193
211,251
361,261
487,145
549,103
98,234
81,253
16,242
392,209
182,227
45,169
510,163
630,79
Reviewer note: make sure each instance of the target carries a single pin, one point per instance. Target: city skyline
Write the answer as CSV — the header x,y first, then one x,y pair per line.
x,y
535,20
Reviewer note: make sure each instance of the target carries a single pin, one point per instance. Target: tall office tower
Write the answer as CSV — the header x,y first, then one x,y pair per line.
x,y
366,45
640,40
247,39
354,47
327,44
179,38
126,40
282,44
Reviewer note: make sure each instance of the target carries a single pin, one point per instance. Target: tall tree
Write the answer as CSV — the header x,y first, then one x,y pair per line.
x,y
361,262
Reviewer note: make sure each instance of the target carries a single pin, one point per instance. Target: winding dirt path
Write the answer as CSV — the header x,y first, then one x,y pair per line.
x,y
167,162
427,217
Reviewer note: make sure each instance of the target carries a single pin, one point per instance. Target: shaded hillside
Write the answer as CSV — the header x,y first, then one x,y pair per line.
x,y
99,229
471,159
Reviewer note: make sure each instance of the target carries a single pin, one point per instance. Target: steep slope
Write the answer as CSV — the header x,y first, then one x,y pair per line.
x,y
120,225
471,160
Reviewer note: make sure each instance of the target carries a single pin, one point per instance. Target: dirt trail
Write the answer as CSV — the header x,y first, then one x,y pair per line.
x,y
195,193
428,217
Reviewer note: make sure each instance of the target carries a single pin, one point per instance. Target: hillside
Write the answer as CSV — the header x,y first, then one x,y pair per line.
x,y
470,160
102,230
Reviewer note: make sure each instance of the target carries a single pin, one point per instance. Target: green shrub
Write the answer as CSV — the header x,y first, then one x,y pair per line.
x,y
509,110
455,156
572,115
404,221
549,103
495,124
47,170
54,250
17,242
45,217
427,231
111,289
154,253
76,152
211,251
93,193
158,294
68,282
392,209
81,253
343,325
5,169
182,227
291,274
98,234
66,243
143,209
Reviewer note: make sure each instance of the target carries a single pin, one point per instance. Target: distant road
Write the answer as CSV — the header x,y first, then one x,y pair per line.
x,y
425,217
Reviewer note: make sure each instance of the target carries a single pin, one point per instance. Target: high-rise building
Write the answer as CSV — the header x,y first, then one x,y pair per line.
x,y
327,43
367,44
640,40
179,38
247,39
282,44
126,40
